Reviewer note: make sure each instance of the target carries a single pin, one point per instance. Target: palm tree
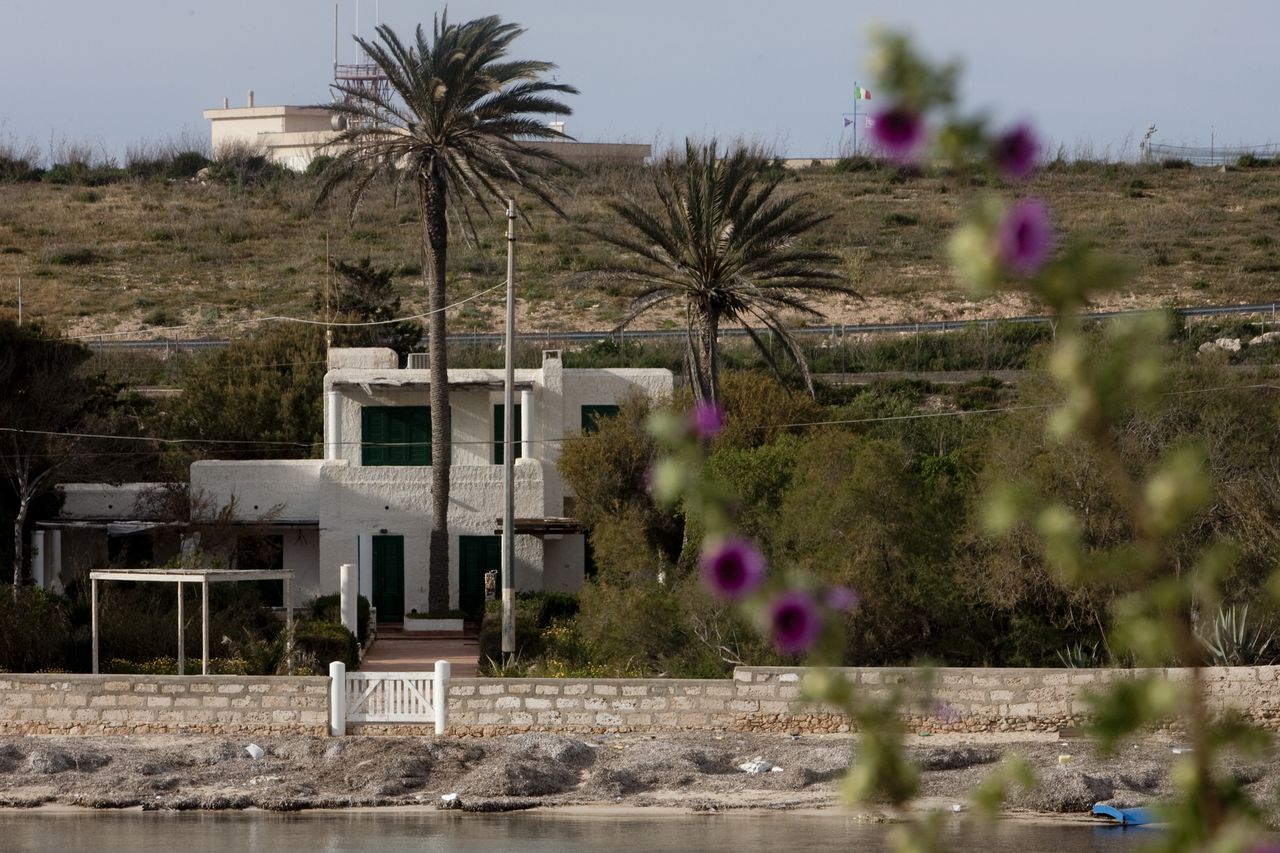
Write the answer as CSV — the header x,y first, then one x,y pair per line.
x,y
451,120
722,244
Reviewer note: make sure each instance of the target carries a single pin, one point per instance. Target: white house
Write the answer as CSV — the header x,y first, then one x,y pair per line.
x,y
368,501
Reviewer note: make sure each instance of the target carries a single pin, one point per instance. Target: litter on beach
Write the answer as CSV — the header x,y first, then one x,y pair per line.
x,y
758,765
255,751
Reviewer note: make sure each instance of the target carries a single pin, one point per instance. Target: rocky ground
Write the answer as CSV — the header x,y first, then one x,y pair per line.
x,y
697,771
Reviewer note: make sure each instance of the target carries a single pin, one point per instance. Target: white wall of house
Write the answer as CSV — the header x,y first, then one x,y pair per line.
x,y
350,501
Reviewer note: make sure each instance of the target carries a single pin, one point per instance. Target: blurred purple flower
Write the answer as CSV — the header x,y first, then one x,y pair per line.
x,y
1016,152
842,598
732,568
898,131
947,713
794,622
1024,237
707,419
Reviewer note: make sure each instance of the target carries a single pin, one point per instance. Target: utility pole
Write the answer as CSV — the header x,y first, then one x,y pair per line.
x,y
508,453
19,300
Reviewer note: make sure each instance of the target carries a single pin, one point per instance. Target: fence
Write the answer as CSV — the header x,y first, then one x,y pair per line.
x,y
397,698
1212,155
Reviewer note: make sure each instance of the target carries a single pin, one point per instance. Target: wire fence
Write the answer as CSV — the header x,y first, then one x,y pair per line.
x,y
1213,155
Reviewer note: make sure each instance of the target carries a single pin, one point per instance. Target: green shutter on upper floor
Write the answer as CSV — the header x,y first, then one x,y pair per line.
x,y
395,435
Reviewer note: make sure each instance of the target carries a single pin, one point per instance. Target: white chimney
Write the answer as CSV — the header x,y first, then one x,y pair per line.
x,y
226,103
250,99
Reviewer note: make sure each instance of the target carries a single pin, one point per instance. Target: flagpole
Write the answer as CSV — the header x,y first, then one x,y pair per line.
x,y
857,95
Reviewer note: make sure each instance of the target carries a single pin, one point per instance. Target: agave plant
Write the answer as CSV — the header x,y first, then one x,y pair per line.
x,y
1232,641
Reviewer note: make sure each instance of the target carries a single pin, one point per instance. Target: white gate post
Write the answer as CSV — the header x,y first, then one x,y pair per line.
x,y
348,595
440,695
337,698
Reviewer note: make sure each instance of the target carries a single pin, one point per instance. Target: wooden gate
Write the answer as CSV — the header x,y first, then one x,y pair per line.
x,y
388,697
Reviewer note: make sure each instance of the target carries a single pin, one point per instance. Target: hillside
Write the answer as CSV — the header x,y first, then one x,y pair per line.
x,y
143,254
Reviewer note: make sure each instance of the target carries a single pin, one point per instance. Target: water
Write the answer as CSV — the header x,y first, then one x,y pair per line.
x,y
435,832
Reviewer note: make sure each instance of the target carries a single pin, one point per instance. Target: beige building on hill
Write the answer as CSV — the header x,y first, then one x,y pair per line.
x,y
293,136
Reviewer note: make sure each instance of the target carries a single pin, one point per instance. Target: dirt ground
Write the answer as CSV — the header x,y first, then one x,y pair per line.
x,y
692,771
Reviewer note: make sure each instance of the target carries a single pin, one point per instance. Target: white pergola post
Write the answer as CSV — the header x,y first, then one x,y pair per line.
x,y
332,426
54,576
93,604
288,625
204,626
526,423
182,640
347,597
37,557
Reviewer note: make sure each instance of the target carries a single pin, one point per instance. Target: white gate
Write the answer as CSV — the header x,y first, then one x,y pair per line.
x,y
387,697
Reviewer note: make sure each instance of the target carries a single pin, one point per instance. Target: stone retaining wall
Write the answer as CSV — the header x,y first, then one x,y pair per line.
x,y
145,704
755,699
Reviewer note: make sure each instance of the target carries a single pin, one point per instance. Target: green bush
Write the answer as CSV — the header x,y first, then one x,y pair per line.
x,y
169,666
317,644
535,612
35,631
328,608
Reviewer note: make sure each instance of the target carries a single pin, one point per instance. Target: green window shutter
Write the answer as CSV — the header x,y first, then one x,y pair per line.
x,y
395,435
373,435
498,429
592,415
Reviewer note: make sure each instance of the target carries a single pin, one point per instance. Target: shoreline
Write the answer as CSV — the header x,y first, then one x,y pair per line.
x,y
652,776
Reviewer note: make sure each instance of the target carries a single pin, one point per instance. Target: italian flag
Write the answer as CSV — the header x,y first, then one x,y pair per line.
x,y
861,94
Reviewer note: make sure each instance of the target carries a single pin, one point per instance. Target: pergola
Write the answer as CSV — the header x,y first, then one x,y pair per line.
x,y
204,577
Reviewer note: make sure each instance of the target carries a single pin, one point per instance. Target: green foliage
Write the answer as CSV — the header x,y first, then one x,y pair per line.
x,y
317,644
35,631
265,391
328,608
243,165
364,293
535,613
191,666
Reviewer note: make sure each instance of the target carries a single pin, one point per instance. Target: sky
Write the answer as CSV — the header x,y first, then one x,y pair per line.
x,y
1090,75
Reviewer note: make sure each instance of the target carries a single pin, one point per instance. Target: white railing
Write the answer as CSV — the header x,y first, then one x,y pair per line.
x,y
387,697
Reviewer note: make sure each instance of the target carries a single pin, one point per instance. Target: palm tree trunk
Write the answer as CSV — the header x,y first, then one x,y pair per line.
x,y
707,386
435,244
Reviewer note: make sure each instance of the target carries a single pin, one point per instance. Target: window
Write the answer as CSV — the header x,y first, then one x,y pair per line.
x,y
395,435
498,434
592,415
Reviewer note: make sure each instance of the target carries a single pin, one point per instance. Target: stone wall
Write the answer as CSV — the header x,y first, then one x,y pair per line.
x,y
144,704
755,699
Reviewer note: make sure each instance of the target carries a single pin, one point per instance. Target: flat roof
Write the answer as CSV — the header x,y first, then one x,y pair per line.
x,y
191,575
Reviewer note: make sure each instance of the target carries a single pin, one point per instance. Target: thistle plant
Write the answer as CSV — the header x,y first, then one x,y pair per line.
x,y
1010,241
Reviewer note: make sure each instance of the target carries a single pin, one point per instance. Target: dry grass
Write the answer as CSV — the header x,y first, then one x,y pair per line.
x,y
135,255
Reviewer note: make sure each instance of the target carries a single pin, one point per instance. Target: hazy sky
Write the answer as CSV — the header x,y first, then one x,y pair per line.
x,y
118,72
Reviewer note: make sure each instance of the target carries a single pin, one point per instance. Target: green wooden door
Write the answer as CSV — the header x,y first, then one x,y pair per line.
x,y
388,577
477,555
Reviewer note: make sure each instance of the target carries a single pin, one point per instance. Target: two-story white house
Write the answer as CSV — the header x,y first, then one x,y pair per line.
x,y
368,501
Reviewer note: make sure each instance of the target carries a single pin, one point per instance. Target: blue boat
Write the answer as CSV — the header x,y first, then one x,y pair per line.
x,y
1124,817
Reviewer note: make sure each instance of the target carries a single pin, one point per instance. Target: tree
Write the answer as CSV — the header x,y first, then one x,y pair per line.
x,y
721,243
265,391
365,293
45,400
450,121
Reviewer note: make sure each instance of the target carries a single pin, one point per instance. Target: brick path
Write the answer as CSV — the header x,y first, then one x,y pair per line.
x,y
393,650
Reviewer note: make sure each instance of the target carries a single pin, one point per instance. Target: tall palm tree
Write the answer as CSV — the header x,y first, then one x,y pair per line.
x,y
451,120
723,244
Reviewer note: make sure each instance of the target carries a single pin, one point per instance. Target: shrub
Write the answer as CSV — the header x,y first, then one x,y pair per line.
x,y
317,165
535,612
316,644
328,608
35,631
169,666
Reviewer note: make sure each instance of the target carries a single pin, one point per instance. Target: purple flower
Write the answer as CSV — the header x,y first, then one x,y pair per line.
x,y
707,419
842,598
732,568
794,622
898,131
1016,152
947,713
1024,237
